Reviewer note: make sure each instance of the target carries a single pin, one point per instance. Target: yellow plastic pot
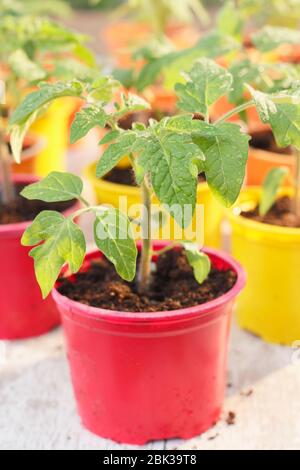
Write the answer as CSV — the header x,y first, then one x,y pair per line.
x,y
209,219
269,305
53,128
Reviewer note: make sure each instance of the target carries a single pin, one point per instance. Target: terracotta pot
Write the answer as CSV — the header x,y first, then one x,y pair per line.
x,y
261,161
124,37
144,376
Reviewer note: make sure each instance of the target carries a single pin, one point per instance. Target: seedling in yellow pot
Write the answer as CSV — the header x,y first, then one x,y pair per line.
x,y
266,235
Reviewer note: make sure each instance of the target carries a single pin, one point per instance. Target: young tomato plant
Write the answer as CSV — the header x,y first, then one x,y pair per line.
x,y
166,156
158,14
34,49
235,13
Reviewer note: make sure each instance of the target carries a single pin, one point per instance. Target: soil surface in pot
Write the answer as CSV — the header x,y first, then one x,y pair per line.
x,y
281,214
22,210
126,176
264,140
173,286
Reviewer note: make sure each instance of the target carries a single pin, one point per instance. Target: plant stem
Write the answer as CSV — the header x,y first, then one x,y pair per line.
x,y
297,184
145,263
7,187
165,249
234,111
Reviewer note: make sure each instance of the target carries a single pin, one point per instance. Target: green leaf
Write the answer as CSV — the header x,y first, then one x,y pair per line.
x,y
205,84
131,104
244,71
113,236
211,45
63,242
198,260
103,89
25,68
109,137
282,112
271,37
226,152
270,188
229,20
67,68
17,135
115,152
55,187
48,92
168,157
85,120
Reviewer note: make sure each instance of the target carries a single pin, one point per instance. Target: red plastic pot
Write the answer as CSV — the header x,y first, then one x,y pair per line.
x,y
144,376
23,313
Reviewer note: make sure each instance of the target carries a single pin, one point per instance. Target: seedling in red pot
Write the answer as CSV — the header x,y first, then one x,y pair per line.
x,y
166,157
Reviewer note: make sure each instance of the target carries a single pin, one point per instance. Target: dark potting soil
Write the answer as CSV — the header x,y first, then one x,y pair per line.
x,y
281,214
22,210
265,141
173,286
126,176
121,176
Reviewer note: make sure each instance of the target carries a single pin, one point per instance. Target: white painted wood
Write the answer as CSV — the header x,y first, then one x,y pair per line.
x,y
37,409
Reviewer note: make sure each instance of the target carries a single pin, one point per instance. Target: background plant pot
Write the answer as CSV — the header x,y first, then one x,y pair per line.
x,y
109,193
260,162
23,312
53,129
124,37
269,306
144,376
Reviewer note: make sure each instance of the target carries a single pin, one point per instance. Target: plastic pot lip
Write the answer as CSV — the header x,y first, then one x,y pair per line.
x,y
250,195
124,188
267,156
16,229
144,317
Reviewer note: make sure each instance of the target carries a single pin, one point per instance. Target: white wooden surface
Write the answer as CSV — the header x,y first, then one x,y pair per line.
x,y
37,409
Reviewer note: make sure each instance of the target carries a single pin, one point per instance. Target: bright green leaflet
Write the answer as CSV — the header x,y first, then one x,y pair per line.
x,y
271,37
85,120
113,236
205,84
199,261
54,188
63,243
270,189
113,154
25,68
47,93
226,152
282,112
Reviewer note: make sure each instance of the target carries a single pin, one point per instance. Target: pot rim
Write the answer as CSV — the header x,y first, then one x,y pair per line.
x,y
251,195
142,317
130,190
18,228
267,155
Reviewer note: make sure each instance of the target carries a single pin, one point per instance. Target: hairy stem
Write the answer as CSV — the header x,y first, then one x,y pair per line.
x,y
7,187
145,263
297,184
236,110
